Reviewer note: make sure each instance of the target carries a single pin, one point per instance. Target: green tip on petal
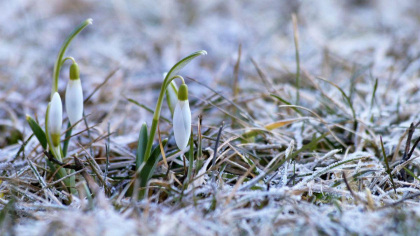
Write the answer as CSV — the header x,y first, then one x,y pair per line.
x,y
55,139
183,92
74,72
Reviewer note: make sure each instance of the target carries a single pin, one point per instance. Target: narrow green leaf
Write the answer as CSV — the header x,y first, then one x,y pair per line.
x,y
147,171
199,154
149,167
71,182
347,98
190,158
411,173
182,63
67,139
372,100
38,132
286,102
141,145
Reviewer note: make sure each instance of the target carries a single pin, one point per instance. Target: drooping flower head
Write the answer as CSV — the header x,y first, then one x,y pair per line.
x,y
74,95
182,118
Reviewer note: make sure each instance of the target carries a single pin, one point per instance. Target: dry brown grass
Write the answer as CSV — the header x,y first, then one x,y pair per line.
x,y
282,168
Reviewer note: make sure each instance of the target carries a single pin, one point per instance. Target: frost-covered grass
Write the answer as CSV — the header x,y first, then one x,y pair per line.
x,y
342,159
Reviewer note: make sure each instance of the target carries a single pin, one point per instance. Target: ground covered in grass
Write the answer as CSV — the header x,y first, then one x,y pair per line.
x,y
330,150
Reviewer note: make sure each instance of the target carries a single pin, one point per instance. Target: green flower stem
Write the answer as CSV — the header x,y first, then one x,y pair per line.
x,y
58,62
156,115
68,58
56,152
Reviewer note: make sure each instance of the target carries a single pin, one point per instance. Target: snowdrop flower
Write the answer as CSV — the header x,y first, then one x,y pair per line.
x,y
74,96
182,118
55,119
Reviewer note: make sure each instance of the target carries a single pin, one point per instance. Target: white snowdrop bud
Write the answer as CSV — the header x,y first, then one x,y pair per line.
x,y
74,96
55,119
182,118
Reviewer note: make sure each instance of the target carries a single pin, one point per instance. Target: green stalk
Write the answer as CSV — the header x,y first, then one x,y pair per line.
x,y
156,115
58,62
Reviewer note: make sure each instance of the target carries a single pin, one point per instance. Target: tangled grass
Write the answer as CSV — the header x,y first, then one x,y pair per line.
x,y
339,158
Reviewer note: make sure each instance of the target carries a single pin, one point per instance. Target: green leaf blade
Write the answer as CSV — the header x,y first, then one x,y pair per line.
x,y
150,165
141,145
182,63
38,132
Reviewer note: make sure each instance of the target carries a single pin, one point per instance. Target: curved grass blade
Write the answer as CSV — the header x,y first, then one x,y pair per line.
x,y
372,100
411,173
286,102
388,170
347,98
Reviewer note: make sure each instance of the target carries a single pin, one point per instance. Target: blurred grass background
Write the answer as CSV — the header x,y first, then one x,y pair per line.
x,y
350,43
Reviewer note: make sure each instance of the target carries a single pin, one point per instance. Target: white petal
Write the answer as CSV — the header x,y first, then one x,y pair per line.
x,y
55,115
182,124
74,101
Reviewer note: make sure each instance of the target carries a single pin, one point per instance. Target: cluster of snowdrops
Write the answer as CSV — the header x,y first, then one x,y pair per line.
x,y
146,156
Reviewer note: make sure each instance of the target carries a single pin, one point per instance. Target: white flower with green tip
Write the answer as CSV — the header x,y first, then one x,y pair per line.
x,y
74,96
182,118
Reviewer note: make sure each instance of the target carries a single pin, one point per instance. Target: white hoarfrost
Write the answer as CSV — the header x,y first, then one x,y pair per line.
x,y
74,101
182,124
